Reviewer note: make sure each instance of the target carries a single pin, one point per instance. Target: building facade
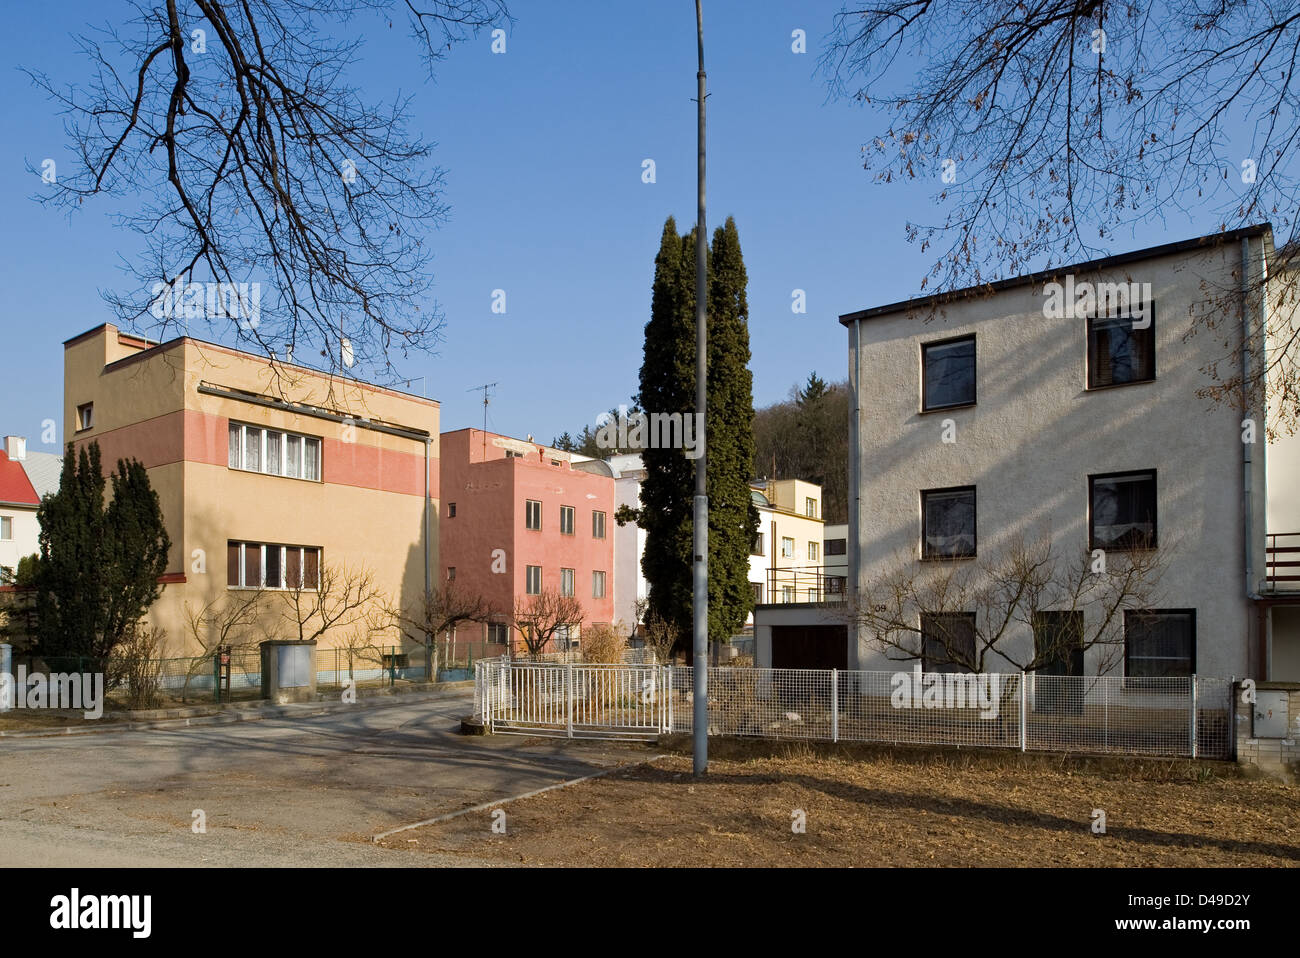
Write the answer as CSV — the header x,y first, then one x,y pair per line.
x,y
270,478
991,416
520,518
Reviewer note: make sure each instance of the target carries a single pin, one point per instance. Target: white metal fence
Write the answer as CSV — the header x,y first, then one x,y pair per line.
x,y
1183,716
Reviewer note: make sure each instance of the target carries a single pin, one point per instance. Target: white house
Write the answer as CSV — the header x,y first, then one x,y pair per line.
x,y
993,413
25,477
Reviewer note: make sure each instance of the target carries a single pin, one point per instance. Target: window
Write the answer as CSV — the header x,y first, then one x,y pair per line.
x,y
1159,643
757,548
498,633
451,573
787,593
597,525
949,642
253,449
1122,510
532,514
948,373
6,528
836,547
948,523
757,587
564,637
835,584
566,582
813,551
86,416
1058,642
1058,647
810,507
566,520
787,548
511,454
451,510
598,585
253,565
1118,354
533,580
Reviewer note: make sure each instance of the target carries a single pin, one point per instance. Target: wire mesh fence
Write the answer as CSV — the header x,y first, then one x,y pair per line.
x,y
1183,716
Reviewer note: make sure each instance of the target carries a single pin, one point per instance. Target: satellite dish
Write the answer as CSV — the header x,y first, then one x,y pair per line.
x,y
346,351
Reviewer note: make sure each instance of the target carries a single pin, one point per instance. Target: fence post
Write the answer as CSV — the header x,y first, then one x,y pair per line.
x,y
670,698
835,705
216,675
1024,723
568,694
1194,741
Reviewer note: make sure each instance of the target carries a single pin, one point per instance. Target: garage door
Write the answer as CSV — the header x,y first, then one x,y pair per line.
x,y
810,647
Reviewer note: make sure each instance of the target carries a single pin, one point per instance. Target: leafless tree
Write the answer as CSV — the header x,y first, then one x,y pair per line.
x,y
1050,127
662,637
344,598
438,611
539,617
254,160
973,614
235,621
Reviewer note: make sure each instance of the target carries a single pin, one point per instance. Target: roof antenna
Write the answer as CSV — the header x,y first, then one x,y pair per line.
x,y
485,387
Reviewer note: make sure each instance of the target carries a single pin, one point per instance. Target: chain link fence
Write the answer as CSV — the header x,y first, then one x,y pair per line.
x,y
1182,716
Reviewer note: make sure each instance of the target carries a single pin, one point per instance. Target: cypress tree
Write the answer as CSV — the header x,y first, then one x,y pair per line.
x,y
733,518
667,385
99,566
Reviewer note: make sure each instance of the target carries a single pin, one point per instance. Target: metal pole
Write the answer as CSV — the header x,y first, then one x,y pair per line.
x,y
1024,723
835,705
701,531
1195,743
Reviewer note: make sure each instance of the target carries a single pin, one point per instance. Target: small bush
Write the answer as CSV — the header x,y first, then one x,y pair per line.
x,y
137,665
602,644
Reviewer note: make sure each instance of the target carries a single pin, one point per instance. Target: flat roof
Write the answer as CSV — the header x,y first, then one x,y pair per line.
x,y
1107,262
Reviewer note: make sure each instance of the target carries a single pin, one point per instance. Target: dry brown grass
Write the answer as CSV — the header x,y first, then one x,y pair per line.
x,y
884,806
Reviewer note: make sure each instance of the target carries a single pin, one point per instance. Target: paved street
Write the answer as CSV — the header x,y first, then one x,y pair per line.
x,y
304,792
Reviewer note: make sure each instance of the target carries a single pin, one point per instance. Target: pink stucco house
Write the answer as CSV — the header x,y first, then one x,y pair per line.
x,y
519,517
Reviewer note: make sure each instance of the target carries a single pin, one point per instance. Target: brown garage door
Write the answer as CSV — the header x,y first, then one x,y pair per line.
x,y
810,647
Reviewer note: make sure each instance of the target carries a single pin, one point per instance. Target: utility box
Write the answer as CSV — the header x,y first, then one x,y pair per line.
x,y
288,670
1270,714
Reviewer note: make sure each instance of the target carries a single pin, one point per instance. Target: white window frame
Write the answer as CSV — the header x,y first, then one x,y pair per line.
x,y
528,575
9,522
597,521
597,584
814,554
787,547
264,442
568,528
568,576
529,511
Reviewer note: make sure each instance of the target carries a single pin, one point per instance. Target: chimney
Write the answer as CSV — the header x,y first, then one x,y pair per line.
x,y
16,448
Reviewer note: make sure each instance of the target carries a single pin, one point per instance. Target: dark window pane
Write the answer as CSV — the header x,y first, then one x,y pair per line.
x,y
311,568
949,642
1124,511
1159,643
1118,353
949,524
252,565
232,563
836,547
293,567
273,567
949,375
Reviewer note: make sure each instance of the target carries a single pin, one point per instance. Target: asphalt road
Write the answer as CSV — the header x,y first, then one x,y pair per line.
x,y
303,792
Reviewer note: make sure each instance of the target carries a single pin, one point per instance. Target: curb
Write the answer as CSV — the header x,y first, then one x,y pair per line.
x,y
241,712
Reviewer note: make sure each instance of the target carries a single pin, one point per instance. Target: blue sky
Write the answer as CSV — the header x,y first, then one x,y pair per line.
x,y
543,147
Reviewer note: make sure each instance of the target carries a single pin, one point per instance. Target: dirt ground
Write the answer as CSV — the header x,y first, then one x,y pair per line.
x,y
889,807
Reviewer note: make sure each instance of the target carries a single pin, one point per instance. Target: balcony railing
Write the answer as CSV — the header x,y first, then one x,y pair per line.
x,y
1282,561
804,584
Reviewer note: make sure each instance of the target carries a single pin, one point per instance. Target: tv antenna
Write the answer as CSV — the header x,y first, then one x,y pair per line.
x,y
486,399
